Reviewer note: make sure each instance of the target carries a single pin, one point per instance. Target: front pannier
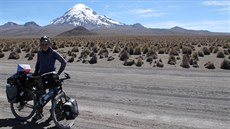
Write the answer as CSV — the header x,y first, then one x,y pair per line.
x,y
50,80
71,109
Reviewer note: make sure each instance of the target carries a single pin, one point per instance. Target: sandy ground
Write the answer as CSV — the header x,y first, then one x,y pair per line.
x,y
118,97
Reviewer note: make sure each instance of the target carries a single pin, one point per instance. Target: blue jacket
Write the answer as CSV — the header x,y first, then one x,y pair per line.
x,y
46,61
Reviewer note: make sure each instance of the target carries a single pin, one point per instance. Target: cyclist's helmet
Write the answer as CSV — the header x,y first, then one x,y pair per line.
x,y
44,39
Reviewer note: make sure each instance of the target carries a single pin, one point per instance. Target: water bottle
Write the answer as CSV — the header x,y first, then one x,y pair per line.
x,y
45,98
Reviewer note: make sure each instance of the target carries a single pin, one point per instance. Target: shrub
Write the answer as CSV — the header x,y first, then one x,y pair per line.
x,y
93,60
172,60
149,59
34,50
137,51
116,49
161,51
152,53
195,55
209,65
200,53
139,62
17,50
187,50
174,52
225,64
211,48
185,61
124,55
215,50
128,62
14,55
75,49
145,49
195,64
110,58
206,51
6,48
130,50
2,54
220,54
226,52
70,60
104,52
159,63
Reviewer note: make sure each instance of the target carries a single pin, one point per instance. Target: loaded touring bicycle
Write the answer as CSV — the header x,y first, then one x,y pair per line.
x,y
22,94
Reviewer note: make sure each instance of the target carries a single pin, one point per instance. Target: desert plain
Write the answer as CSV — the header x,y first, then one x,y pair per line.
x,y
140,89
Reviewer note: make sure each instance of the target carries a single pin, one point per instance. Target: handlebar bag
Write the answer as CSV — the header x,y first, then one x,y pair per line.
x,y
50,80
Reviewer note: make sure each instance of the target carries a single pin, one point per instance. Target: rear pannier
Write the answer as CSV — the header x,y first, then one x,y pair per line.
x,y
11,93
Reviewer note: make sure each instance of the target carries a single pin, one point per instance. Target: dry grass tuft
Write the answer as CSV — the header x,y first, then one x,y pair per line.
x,y
124,55
93,59
200,53
2,54
185,61
70,60
14,55
75,49
159,63
195,55
137,50
139,62
206,51
110,58
195,64
220,54
172,60
209,65
225,64
129,62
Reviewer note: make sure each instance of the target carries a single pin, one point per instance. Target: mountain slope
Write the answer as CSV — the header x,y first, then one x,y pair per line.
x,y
81,15
77,31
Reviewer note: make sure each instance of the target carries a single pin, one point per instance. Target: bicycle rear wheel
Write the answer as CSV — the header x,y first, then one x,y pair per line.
x,y
58,113
24,109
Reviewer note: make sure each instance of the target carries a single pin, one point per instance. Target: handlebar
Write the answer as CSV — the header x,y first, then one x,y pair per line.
x,y
66,77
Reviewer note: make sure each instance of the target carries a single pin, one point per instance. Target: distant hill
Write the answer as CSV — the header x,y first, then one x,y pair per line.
x,y
31,24
77,31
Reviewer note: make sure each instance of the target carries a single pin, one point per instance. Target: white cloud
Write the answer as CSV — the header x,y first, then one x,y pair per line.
x,y
224,9
146,13
225,5
216,3
143,11
214,26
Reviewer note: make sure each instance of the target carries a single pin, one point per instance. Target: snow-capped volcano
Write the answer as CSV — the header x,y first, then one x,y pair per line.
x,y
81,15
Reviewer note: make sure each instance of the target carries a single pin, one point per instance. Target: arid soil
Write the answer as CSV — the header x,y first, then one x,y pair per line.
x,y
121,97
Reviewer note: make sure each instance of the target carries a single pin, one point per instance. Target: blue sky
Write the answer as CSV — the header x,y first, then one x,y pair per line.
x,y
212,15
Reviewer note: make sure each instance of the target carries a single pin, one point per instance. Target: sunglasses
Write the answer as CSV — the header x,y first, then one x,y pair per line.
x,y
44,44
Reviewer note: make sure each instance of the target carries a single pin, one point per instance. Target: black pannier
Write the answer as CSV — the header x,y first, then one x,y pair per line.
x,y
16,94
71,109
50,79
13,80
15,88
11,93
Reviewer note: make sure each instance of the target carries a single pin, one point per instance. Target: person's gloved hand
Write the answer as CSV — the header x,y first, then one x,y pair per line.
x,y
36,74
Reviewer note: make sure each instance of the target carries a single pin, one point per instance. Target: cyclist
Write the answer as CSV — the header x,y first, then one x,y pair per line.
x,y
46,59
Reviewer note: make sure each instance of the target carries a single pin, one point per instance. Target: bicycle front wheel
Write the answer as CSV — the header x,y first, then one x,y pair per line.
x,y
58,113
24,109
